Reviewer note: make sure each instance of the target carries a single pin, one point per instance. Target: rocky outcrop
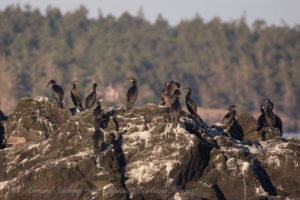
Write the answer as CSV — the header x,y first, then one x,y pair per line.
x,y
142,158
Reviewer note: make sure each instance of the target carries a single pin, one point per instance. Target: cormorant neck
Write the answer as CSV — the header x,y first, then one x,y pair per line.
x,y
74,86
94,89
134,83
234,113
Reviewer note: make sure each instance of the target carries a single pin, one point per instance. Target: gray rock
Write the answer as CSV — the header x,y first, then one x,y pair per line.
x,y
142,158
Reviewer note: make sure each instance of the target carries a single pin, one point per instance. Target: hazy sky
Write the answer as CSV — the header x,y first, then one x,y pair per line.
x,y
273,11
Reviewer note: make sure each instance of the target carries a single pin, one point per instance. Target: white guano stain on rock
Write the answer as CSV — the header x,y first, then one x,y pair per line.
x,y
274,161
41,99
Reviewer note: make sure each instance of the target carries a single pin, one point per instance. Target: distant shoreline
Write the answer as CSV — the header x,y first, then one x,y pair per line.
x,y
291,134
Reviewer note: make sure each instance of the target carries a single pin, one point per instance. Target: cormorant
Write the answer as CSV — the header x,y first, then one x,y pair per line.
x,y
230,117
262,122
91,98
167,98
269,103
272,120
58,92
190,104
98,110
168,92
76,97
175,108
162,93
132,93
172,87
269,115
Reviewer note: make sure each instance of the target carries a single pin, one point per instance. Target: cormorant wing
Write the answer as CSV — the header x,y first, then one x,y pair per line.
x,y
90,100
58,90
132,94
73,97
261,121
191,105
76,97
278,123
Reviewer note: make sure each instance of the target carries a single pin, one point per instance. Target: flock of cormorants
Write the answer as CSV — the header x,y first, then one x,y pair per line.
x,y
170,96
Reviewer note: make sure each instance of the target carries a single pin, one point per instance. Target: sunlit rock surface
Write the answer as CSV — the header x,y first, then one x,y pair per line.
x,y
143,157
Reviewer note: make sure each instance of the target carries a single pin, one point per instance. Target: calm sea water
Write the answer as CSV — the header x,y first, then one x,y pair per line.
x,y
291,134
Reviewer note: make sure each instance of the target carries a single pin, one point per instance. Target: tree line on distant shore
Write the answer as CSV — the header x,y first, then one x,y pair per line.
x,y
223,62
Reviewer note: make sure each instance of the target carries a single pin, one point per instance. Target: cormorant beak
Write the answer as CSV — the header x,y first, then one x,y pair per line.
x,y
48,84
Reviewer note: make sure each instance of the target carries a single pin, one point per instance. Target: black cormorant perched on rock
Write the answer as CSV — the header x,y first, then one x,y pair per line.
x,y
262,122
58,92
269,115
98,110
91,98
190,104
132,93
271,119
230,117
76,97
175,108
269,104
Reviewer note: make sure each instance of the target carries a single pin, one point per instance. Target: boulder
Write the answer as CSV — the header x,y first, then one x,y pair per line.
x,y
142,158
36,119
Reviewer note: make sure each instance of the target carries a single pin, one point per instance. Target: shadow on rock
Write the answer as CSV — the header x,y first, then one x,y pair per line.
x,y
117,145
219,194
2,131
2,137
263,178
199,159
